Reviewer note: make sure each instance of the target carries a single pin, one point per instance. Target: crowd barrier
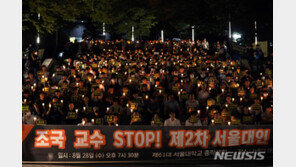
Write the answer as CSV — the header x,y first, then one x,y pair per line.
x,y
97,144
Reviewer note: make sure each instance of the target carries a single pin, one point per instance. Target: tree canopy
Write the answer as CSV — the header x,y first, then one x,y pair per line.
x,y
208,16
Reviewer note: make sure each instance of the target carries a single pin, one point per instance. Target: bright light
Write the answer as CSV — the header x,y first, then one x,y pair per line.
x,y
162,38
104,31
192,38
236,36
133,30
38,39
61,54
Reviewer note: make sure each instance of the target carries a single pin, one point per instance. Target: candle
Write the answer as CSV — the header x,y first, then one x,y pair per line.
x,y
35,119
179,93
84,108
76,111
82,96
159,91
93,120
130,80
146,96
62,101
74,76
232,99
43,104
132,110
229,123
222,90
42,76
53,75
250,108
127,105
49,105
198,84
241,99
32,87
123,94
89,80
182,80
207,107
226,105
46,78
213,121
261,97
77,84
25,100
108,108
155,85
34,84
198,111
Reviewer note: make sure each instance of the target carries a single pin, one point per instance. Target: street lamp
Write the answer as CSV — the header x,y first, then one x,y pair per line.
x,y
162,38
133,37
256,40
192,38
104,31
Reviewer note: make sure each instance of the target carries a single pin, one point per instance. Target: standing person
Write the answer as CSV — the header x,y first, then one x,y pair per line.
x,y
172,121
171,106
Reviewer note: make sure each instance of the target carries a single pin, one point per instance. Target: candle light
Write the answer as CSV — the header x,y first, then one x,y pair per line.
x,y
42,76
25,100
207,107
46,78
261,97
49,105
210,88
43,104
132,110
84,108
222,90
159,91
198,111
250,108
155,85
123,94
82,96
229,123
130,80
93,120
32,87
53,75
182,80
89,80
146,96
241,99
34,84
35,119
213,121
233,99
74,76
179,93
198,84
127,105
226,105
62,101
76,111
108,108
77,84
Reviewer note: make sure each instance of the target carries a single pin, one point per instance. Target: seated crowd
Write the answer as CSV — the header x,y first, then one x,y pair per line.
x,y
148,83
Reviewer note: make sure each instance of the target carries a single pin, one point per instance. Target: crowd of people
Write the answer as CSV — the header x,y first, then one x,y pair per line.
x,y
169,83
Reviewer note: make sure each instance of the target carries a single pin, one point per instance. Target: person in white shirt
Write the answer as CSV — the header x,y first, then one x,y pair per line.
x,y
172,121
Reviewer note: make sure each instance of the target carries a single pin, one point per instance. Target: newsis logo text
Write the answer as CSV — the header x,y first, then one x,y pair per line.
x,y
231,155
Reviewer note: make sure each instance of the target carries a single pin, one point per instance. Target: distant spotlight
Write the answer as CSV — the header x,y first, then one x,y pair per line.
x,y
236,36
38,40
61,54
